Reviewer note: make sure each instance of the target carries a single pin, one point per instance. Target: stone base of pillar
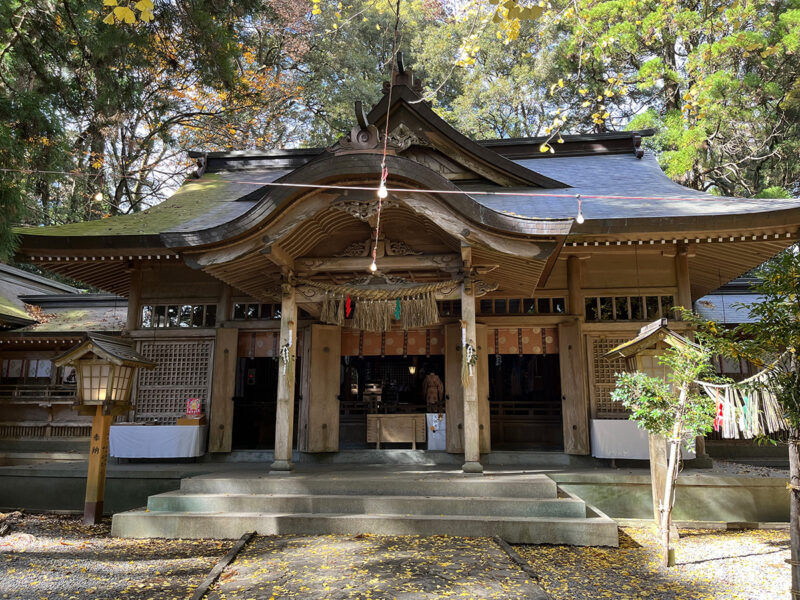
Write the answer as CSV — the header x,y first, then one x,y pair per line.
x,y
280,467
472,467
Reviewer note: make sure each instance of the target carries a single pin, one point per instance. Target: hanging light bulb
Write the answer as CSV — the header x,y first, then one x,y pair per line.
x,y
382,191
579,218
98,197
373,267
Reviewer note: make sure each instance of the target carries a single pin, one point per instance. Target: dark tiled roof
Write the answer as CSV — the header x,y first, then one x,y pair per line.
x,y
723,308
645,190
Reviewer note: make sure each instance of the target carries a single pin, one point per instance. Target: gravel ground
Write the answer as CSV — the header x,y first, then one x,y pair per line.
x,y
44,557
47,557
728,467
372,567
718,565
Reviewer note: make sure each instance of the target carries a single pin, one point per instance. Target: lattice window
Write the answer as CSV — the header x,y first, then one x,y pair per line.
x,y
603,379
183,371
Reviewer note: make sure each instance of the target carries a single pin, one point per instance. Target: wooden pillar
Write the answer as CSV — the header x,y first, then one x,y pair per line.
x,y
454,393
134,299
684,298
575,296
472,456
284,414
318,423
482,373
574,403
702,460
572,363
223,383
659,459
96,477
224,306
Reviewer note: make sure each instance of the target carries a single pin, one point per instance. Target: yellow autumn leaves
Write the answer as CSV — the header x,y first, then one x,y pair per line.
x,y
125,14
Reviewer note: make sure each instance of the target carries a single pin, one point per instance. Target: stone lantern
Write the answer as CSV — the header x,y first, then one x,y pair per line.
x,y
105,366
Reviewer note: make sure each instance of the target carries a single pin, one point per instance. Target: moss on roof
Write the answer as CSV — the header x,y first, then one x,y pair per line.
x,y
9,309
193,199
80,319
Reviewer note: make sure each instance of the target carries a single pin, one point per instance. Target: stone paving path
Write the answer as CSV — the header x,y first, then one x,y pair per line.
x,y
373,567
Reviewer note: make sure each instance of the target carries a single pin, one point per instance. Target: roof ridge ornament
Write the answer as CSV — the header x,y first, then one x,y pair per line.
x,y
403,76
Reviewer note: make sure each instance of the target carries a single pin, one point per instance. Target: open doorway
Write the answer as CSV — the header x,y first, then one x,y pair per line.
x,y
255,403
525,402
382,385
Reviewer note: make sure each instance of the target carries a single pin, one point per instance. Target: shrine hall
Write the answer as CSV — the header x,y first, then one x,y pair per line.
x,y
406,287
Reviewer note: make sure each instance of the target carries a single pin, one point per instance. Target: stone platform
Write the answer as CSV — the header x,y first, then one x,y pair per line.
x,y
517,505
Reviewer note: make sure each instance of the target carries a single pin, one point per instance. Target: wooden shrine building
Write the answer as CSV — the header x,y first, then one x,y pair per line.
x,y
238,284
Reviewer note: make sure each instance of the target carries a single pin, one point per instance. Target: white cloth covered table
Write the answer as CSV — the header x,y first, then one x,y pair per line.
x,y
436,431
157,441
621,438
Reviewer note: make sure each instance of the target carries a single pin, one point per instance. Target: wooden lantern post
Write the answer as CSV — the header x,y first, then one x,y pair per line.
x,y
105,367
641,354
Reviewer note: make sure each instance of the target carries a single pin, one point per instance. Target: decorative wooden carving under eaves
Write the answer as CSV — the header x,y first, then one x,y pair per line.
x,y
482,287
386,247
399,248
362,209
355,250
402,138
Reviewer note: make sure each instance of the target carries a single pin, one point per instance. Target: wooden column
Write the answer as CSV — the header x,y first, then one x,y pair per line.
x,y
684,298
702,460
472,455
482,373
574,403
224,305
284,414
318,423
454,393
98,459
134,299
572,363
223,383
575,296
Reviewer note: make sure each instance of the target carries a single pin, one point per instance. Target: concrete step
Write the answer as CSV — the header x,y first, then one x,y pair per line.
x,y
596,530
366,504
400,456
390,484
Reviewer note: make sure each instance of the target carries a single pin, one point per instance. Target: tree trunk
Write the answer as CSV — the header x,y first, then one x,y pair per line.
x,y
672,477
794,508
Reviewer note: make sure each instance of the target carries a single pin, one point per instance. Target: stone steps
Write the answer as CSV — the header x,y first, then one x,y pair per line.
x,y
362,504
519,506
427,484
589,531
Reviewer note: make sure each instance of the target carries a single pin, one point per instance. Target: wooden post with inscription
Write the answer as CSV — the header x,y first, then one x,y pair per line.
x,y
284,414
96,477
472,453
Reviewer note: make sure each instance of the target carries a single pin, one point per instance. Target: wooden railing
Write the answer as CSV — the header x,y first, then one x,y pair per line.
x,y
35,411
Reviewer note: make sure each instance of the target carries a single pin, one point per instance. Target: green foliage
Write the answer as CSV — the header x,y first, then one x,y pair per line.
x,y
673,405
772,339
